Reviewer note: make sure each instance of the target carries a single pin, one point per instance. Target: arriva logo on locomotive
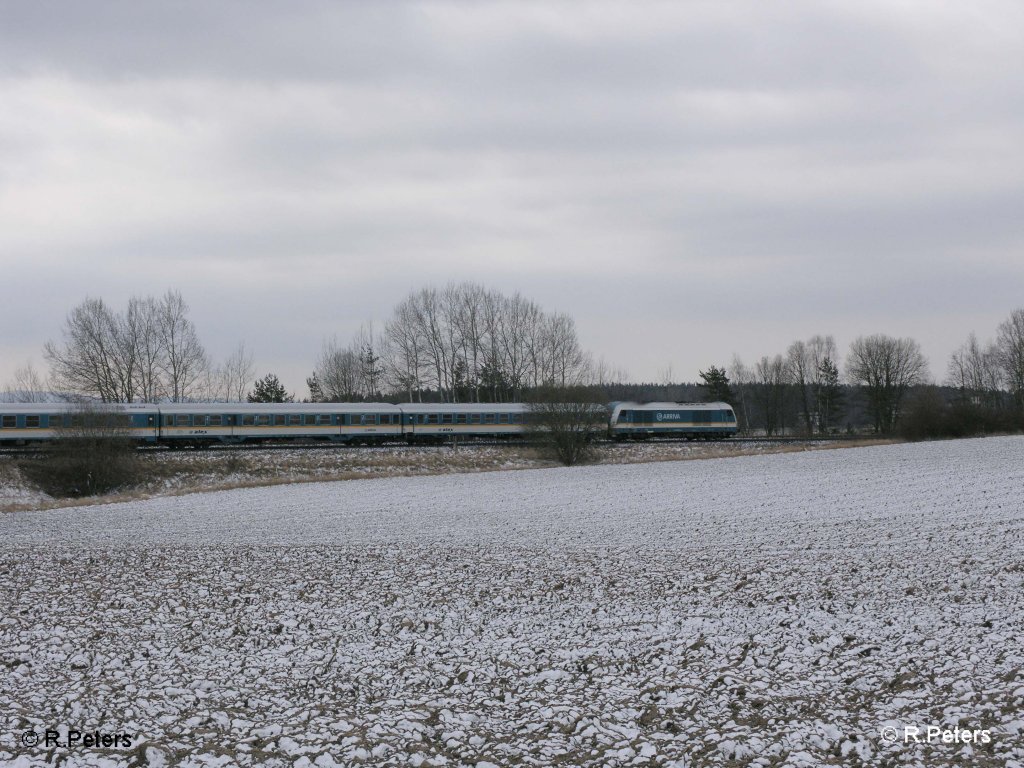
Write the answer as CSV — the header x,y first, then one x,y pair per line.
x,y
668,417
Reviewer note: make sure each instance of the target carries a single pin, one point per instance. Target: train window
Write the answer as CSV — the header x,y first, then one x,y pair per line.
x,y
503,418
181,420
489,418
294,420
32,421
355,420
433,418
517,418
447,418
262,419
474,418
460,418
56,421
215,420
8,422
199,421
280,420
324,418
248,421
310,420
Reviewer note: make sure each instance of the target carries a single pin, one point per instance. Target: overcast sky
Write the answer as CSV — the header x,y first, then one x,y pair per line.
x,y
686,179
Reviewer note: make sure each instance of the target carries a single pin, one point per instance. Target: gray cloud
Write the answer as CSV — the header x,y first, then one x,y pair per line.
x,y
706,177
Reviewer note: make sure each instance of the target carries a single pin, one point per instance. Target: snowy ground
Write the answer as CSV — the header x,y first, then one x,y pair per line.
x,y
765,610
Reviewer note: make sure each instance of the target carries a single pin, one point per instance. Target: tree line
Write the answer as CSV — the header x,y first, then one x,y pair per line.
x,y
884,386
462,343
149,352
467,343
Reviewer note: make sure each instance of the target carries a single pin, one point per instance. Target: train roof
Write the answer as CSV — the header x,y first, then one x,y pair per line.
x,y
278,408
463,407
65,407
672,406
173,408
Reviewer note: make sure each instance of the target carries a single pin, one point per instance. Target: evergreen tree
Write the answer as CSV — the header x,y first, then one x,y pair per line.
x,y
716,385
316,392
269,390
370,370
829,396
494,385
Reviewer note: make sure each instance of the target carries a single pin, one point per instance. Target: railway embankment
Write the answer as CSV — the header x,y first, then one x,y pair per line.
x,y
171,473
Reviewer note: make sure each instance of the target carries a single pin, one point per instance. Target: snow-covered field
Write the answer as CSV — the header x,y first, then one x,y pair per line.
x,y
764,610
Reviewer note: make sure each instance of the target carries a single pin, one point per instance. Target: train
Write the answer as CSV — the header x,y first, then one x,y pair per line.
x,y
203,424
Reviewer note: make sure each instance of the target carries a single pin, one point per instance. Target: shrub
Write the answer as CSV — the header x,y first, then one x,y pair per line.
x,y
91,454
563,421
929,416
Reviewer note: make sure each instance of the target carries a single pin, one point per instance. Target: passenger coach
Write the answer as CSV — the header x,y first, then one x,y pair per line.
x,y
197,424
29,422
433,422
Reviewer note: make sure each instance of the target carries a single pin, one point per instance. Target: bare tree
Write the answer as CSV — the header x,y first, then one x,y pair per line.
x,y
742,378
235,374
472,333
143,327
799,363
428,316
403,350
516,318
886,367
976,373
1010,343
603,373
184,358
823,370
87,362
148,352
471,344
337,373
26,386
773,377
